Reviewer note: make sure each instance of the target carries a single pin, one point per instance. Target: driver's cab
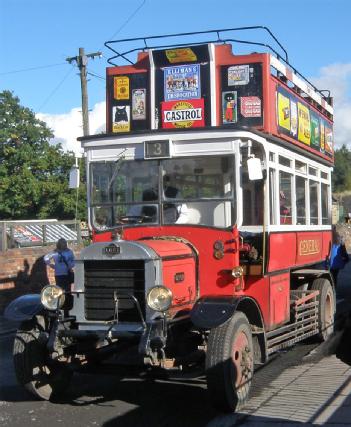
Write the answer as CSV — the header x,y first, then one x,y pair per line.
x,y
213,190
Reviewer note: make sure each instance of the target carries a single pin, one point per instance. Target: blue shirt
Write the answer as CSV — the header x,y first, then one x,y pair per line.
x,y
56,260
338,256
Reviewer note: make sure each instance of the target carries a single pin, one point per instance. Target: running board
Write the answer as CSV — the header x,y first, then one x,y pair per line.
x,y
304,321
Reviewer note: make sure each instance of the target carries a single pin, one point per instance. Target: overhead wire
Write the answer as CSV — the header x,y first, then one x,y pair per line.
x,y
47,99
56,88
95,75
32,68
130,17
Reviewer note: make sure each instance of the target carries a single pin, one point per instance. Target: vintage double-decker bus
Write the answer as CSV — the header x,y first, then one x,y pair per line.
x,y
209,200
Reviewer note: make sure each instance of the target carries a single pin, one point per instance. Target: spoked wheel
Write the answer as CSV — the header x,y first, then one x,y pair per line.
x,y
326,307
35,370
230,363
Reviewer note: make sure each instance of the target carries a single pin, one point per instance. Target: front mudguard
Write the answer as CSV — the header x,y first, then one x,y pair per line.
x,y
212,311
24,308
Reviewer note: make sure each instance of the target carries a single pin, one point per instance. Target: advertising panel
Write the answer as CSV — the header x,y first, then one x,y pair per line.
x,y
121,87
297,120
230,107
139,104
128,98
304,124
121,119
183,114
181,55
242,94
182,82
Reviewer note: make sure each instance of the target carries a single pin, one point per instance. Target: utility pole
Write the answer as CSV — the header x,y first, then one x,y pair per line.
x,y
82,61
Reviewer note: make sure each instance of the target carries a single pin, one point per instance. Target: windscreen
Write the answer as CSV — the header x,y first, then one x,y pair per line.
x,y
174,191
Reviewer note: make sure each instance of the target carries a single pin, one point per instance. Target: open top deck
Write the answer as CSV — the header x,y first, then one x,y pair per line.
x,y
176,84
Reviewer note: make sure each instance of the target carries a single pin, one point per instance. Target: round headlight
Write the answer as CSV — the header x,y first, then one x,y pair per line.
x,y
52,297
159,298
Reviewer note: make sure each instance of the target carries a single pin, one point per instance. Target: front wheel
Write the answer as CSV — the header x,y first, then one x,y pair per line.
x,y
230,363
326,307
35,370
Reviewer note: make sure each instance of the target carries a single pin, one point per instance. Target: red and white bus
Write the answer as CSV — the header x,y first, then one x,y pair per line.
x,y
210,204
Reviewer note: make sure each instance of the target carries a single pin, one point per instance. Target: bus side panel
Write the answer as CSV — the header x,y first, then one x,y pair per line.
x,y
282,251
289,250
279,299
309,247
257,287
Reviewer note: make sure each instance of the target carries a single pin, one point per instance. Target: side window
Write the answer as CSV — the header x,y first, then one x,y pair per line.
x,y
252,201
285,199
313,185
325,203
272,199
300,200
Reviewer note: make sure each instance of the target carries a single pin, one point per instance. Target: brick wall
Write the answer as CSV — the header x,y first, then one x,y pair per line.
x,y
23,271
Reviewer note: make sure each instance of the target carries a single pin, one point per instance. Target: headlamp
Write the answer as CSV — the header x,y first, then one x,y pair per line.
x,y
52,297
159,298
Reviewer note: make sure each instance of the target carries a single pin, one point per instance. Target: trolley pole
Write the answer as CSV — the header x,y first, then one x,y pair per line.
x,y
82,61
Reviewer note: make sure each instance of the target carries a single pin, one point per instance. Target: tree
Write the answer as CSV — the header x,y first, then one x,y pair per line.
x,y
342,169
33,172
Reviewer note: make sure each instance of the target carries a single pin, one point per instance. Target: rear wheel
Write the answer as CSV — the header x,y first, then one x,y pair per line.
x,y
326,307
35,370
230,363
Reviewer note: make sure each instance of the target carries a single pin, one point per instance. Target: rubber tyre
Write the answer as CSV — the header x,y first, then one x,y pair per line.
x,y
326,308
230,363
41,376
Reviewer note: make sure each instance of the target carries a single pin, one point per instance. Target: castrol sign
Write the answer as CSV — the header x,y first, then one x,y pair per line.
x,y
183,114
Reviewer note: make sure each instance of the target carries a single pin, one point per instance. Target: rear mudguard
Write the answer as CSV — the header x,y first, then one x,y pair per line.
x,y
24,308
212,311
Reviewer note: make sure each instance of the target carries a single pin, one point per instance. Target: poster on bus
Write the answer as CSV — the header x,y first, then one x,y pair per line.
x,y
304,126
241,96
183,114
315,131
182,82
284,114
297,120
230,107
139,104
121,118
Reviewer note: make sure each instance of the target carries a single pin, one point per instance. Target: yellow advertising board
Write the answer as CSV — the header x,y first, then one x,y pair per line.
x,y
121,87
304,133
185,54
284,111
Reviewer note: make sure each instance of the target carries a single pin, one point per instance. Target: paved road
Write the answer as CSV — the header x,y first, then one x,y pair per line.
x,y
304,386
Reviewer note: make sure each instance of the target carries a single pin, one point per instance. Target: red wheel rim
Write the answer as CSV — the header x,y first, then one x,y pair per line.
x,y
242,359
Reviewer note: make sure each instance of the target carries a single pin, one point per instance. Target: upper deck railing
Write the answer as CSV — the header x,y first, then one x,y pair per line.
x,y
223,37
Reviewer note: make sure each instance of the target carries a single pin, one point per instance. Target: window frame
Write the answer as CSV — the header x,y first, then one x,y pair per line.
x,y
306,168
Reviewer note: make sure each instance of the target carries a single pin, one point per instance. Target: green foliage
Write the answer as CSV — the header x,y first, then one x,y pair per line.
x,y
33,173
342,170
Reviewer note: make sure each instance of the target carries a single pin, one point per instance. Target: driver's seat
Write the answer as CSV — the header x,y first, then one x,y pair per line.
x,y
149,213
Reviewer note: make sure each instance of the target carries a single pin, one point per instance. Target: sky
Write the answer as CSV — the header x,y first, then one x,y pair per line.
x,y
37,36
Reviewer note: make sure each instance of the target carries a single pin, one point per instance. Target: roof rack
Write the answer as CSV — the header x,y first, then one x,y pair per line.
x,y
151,42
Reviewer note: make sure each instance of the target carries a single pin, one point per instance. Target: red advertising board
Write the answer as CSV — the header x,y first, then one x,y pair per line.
x,y
183,114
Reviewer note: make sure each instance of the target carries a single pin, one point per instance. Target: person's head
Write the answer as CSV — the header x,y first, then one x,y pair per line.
x,y
149,195
61,244
282,197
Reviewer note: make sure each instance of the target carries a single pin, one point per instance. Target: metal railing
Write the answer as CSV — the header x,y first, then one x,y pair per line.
x,y
20,234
